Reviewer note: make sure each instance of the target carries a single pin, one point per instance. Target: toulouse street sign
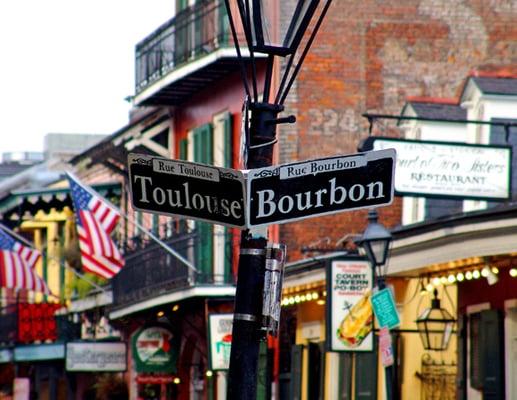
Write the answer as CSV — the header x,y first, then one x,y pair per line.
x,y
187,189
319,187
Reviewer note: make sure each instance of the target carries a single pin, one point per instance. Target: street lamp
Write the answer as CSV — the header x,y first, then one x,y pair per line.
x,y
435,326
256,19
375,241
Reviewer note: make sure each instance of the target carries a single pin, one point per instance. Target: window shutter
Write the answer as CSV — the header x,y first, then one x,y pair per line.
x,y
366,383
345,376
498,136
461,379
296,372
492,351
203,153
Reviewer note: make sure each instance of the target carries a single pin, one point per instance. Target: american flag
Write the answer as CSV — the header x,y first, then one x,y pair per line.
x,y
95,221
17,265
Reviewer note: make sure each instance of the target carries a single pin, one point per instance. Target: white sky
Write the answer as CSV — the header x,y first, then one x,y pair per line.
x,y
67,65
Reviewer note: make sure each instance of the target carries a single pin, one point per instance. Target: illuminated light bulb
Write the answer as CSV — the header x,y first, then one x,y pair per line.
x,y
309,296
285,302
476,274
176,381
291,300
468,275
436,281
303,298
513,272
451,278
460,277
315,295
209,374
175,308
324,293
429,287
296,299
443,280
485,272
320,302
495,270
160,314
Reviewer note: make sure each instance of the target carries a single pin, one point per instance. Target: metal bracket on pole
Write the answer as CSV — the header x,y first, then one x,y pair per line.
x,y
272,295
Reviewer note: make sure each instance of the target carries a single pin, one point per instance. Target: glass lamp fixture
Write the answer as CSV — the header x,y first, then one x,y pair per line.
x,y
435,325
375,241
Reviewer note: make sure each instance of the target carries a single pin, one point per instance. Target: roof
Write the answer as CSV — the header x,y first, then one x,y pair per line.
x,y
498,86
437,110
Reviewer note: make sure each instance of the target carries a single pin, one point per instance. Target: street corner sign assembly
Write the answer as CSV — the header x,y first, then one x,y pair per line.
x,y
320,187
192,190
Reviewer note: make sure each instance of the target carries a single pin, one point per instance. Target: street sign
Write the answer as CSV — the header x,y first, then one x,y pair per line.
x,y
324,186
384,309
192,190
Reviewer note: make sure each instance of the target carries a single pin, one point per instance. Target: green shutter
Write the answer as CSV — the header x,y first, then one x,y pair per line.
x,y
366,374
296,372
492,354
183,155
345,376
263,382
227,154
203,153
223,25
461,379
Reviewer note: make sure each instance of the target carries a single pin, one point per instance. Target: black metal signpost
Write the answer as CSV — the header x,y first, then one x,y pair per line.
x,y
319,187
187,189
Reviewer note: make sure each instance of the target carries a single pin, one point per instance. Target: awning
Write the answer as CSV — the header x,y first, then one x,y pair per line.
x,y
17,203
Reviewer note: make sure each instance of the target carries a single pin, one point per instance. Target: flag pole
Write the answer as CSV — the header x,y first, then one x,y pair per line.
x,y
139,226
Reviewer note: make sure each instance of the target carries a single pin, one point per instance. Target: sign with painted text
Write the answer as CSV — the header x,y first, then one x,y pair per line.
x,y
385,309
96,356
349,311
324,186
219,340
450,170
192,190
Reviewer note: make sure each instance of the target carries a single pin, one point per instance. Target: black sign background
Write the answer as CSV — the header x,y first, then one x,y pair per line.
x,y
229,187
375,170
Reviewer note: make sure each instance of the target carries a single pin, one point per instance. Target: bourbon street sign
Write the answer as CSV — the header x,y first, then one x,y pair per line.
x,y
192,190
319,187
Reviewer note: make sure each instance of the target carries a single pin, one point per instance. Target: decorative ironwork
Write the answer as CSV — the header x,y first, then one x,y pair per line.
x,y
438,379
150,270
195,31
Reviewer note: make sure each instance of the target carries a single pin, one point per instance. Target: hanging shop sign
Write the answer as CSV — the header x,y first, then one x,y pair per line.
x,y
39,352
219,340
187,189
349,311
96,356
384,308
155,350
319,187
449,170
6,356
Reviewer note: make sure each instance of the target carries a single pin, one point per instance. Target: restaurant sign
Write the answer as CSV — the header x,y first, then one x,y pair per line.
x,y
220,340
349,314
449,170
154,350
96,356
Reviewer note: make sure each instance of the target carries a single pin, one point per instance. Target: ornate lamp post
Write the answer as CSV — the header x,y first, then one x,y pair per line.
x,y
435,326
255,19
375,242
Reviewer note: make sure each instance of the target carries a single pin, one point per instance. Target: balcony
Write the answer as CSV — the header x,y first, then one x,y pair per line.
x,y
184,55
151,274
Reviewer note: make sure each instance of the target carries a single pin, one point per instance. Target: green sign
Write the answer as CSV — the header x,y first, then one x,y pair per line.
x,y
154,350
384,308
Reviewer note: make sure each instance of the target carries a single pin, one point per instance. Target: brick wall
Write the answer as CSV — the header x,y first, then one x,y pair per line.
x,y
370,56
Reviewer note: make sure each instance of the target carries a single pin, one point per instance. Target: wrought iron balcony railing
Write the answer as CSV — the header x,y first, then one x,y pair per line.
x,y
193,32
151,270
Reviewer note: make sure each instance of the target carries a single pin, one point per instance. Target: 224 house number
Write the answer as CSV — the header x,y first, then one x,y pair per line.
x,y
330,122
